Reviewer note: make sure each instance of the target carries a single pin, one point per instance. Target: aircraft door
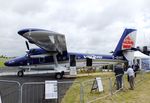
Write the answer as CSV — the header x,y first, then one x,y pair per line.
x,y
88,62
73,70
72,60
29,61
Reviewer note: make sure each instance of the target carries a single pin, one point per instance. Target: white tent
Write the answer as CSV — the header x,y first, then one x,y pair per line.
x,y
144,60
132,55
138,54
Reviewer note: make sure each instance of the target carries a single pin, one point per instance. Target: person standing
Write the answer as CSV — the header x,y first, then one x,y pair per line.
x,y
119,71
135,69
130,73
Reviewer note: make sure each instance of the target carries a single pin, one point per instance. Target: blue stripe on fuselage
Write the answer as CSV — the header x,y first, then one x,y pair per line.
x,y
24,60
91,56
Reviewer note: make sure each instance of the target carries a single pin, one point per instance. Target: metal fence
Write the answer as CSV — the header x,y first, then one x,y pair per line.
x,y
34,92
10,91
110,88
82,92
118,95
91,93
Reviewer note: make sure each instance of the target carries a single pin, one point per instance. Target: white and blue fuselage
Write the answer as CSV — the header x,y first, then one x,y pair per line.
x,y
53,51
39,58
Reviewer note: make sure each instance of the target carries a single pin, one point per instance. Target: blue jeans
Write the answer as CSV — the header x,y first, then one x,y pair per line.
x,y
119,81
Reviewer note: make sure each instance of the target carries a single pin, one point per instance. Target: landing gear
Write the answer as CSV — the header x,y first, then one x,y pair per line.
x,y
20,73
59,75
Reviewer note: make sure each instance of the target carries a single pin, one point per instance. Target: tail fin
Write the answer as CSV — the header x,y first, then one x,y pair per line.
x,y
127,41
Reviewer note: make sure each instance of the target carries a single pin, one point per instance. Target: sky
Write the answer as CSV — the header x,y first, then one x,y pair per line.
x,y
90,26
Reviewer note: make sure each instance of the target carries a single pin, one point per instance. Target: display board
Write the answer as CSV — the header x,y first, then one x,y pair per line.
x,y
73,71
51,90
0,99
97,85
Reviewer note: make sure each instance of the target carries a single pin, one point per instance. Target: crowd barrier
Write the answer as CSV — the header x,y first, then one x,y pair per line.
x,y
83,91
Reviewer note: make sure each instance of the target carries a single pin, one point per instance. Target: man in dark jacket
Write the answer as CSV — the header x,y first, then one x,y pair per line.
x,y
119,71
135,68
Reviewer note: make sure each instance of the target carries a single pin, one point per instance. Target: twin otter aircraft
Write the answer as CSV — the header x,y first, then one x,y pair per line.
x,y
53,54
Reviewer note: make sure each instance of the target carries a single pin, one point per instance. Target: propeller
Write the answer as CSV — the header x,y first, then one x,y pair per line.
x,y
27,45
28,49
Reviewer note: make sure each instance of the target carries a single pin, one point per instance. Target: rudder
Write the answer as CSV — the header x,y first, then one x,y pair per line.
x,y
126,42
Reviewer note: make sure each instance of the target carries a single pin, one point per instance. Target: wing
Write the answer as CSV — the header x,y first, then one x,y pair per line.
x,y
47,40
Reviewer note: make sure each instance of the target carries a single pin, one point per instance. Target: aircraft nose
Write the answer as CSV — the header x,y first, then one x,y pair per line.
x,y
6,63
9,63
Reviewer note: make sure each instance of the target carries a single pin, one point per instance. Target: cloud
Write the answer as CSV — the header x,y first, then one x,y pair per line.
x,y
88,25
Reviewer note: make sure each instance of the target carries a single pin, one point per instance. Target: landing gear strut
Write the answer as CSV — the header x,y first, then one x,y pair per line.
x,y
59,75
20,73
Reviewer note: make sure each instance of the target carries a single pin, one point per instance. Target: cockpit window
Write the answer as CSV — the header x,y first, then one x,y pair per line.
x,y
32,51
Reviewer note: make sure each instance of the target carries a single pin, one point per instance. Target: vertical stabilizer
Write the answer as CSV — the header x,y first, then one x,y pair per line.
x,y
126,42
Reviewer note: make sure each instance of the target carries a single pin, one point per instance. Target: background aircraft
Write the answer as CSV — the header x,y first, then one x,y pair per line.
x,y
53,54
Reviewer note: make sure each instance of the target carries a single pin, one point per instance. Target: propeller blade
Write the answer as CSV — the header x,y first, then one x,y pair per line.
x,y
27,45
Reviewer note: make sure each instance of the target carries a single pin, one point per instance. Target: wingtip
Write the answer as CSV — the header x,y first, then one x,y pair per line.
x,y
22,31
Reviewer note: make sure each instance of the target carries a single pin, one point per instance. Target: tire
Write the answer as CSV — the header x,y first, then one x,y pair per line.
x,y
58,75
20,73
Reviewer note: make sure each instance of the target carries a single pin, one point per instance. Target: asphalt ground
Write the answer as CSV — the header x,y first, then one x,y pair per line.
x,y
34,92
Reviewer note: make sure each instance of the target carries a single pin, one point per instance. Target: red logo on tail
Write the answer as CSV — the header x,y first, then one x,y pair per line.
x,y
128,43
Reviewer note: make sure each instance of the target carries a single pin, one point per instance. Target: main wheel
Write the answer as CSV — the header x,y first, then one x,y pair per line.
x,y
20,73
58,75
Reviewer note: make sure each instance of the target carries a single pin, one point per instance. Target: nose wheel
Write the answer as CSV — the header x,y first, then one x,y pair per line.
x,y
58,75
20,73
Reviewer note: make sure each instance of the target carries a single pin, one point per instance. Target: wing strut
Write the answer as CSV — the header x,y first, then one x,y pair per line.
x,y
55,60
